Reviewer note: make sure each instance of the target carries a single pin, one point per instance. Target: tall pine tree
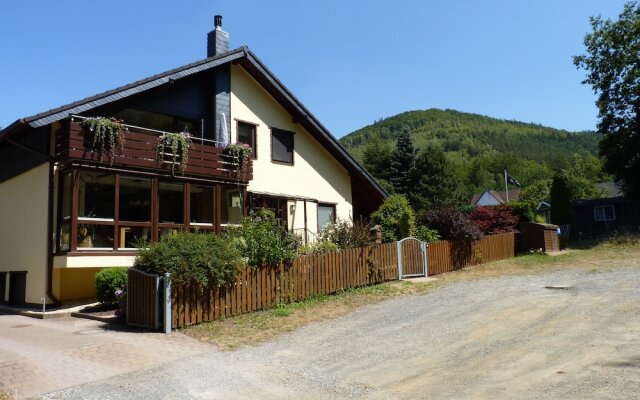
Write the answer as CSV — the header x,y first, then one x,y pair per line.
x,y
402,162
433,184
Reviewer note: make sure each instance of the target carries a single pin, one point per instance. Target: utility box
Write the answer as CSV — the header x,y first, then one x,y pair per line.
x,y
539,237
17,288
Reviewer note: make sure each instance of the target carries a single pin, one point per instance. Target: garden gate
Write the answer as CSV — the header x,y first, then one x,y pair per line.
x,y
412,258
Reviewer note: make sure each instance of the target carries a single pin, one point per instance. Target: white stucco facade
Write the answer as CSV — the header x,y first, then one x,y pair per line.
x,y
315,176
23,237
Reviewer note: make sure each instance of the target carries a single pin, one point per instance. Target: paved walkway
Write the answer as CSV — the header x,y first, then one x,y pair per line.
x,y
40,356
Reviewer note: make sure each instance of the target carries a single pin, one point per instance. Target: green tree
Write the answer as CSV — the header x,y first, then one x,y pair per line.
x,y
396,217
612,62
402,161
432,180
560,197
376,158
536,192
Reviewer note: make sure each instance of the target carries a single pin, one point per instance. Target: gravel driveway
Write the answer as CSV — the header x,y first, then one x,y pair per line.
x,y
493,338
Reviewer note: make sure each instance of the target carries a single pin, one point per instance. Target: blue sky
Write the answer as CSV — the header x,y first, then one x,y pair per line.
x,y
351,62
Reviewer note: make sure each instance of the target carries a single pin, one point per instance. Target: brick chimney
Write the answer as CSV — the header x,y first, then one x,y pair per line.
x,y
217,39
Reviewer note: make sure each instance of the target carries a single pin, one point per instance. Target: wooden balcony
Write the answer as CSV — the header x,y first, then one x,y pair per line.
x,y
140,152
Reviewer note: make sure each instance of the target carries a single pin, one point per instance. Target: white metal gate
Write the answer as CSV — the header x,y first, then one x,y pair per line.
x,y
412,258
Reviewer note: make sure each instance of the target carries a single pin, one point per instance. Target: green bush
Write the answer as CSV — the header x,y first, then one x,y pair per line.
x,y
347,234
203,258
321,247
263,242
396,217
427,235
108,281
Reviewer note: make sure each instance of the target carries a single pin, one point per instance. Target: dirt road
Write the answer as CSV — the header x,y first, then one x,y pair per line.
x,y
568,334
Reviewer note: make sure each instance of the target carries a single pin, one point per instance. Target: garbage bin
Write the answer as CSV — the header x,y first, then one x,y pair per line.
x,y
17,288
3,287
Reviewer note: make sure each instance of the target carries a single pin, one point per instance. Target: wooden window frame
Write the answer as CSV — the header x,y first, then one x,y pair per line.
x,y
254,136
293,146
154,225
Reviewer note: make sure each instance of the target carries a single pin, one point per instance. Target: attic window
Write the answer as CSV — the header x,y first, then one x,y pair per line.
x,y
604,213
282,146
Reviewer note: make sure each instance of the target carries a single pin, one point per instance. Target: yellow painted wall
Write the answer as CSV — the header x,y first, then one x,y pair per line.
x,y
23,228
315,173
74,283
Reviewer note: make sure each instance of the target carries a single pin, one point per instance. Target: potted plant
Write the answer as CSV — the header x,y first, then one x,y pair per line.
x,y
240,153
107,135
173,148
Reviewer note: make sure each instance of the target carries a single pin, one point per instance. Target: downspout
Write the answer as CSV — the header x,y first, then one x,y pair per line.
x,y
54,299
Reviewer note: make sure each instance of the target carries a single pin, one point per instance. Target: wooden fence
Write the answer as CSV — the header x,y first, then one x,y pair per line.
x,y
261,288
445,256
143,301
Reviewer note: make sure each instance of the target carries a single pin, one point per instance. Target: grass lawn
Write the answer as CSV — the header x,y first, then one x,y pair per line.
x,y
253,328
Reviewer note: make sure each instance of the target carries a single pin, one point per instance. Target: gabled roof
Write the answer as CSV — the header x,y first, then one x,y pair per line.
x,y
249,62
501,196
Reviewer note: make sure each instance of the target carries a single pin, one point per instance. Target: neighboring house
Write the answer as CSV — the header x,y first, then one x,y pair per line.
x,y
494,198
66,211
544,210
603,216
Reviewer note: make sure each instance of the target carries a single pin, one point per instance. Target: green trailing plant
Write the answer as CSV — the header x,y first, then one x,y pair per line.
x,y
241,154
107,135
177,146
204,258
108,281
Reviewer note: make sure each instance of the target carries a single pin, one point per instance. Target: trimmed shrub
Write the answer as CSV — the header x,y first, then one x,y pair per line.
x,y
192,257
526,211
347,234
396,217
108,281
451,224
494,219
427,235
262,241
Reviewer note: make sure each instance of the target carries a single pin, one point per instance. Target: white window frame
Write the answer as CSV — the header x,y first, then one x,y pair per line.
x,y
604,214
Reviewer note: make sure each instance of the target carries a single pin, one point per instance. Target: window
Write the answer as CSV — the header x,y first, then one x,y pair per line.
x,y
201,205
247,135
160,122
604,213
96,195
171,198
282,146
231,206
135,199
326,215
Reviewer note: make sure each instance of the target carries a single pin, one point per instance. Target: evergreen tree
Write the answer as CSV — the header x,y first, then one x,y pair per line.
x,y
402,161
560,196
433,184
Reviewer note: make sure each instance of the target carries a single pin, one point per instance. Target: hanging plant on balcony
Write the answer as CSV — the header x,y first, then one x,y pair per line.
x,y
107,135
240,153
175,146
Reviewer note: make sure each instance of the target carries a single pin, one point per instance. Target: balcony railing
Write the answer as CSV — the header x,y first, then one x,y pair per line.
x,y
206,159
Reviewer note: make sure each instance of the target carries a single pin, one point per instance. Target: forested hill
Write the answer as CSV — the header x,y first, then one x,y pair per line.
x,y
472,134
477,149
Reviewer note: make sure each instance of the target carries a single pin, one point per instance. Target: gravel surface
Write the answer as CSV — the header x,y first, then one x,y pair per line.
x,y
569,334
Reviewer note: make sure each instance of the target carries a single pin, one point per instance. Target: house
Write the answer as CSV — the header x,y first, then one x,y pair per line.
x,y
603,216
494,198
68,208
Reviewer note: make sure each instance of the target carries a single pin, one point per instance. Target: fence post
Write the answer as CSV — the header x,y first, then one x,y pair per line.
x,y
167,303
425,246
399,251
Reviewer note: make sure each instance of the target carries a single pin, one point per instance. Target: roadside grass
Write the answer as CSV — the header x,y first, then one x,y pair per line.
x,y
254,328
7,395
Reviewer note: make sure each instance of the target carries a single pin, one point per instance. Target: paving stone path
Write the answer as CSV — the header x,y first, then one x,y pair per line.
x,y
40,356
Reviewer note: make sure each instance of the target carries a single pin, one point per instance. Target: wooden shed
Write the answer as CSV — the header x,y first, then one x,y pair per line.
x,y
539,236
